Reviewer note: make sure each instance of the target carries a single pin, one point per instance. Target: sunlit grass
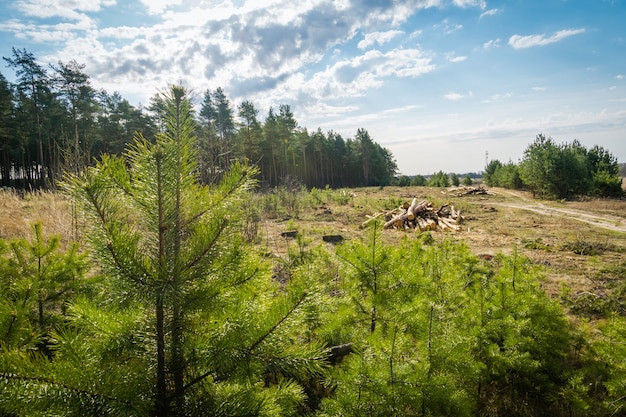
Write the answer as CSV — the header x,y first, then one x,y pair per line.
x,y
19,211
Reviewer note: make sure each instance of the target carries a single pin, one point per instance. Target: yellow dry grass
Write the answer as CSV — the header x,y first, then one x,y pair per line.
x,y
20,211
494,223
500,223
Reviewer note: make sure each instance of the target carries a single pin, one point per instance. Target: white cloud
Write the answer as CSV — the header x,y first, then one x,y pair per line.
x,y
470,3
620,77
121,32
454,96
519,42
453,58
538,88
62,32
458,96
378,38
354,77
449,27
497,97
159,6
490,12
68,9
493,43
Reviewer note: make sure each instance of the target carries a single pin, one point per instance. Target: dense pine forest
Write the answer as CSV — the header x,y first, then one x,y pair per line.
x,y
53,121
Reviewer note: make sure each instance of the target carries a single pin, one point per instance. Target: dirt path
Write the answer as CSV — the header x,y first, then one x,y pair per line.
x,y
604,221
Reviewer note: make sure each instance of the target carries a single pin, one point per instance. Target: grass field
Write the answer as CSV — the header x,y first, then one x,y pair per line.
x,y
581,244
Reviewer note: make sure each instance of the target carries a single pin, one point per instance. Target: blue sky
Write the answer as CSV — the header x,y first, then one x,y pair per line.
x,y
438,82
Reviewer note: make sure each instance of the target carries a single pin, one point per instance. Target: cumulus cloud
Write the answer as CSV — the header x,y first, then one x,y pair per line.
x,y
620,77
493,43
159,6
528,41
378,38
357,75
61,8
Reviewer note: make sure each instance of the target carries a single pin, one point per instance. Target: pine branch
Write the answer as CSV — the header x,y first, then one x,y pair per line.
x,y
231,191
208,247
100,212
278,323
81,392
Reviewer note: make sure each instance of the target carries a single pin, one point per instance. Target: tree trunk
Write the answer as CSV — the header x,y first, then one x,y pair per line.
x,y
161,405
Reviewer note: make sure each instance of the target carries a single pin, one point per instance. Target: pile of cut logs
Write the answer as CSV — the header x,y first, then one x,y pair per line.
x,y
420,215
460,191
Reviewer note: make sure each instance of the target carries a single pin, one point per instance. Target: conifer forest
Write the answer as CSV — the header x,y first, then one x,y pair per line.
x,y
53,121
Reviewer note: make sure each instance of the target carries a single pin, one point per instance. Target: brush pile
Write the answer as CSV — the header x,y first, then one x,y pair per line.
x,y
420,215
463,190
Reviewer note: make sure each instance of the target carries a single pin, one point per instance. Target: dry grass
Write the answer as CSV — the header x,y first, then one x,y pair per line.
x,y
574,253
19,211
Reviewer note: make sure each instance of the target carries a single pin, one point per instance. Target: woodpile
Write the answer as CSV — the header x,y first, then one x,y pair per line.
x,y
463,190
420,215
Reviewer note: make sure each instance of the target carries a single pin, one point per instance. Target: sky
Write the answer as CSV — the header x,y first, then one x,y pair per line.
x,y
443,84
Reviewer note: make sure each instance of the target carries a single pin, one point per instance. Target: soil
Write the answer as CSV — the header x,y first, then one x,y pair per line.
x,y
604,221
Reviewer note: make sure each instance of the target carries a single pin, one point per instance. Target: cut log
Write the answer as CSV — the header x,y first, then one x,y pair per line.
x,y
370,219
449,223
397,221
334,239
336,353
422,224
422,205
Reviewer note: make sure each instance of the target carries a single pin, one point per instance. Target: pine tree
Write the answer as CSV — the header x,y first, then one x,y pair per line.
x,y
187,321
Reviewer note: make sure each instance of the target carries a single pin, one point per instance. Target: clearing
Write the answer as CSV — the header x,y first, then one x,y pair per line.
x,y
580,244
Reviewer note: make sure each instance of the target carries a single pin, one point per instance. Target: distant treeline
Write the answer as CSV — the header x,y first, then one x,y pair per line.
x,y
557,171
53,121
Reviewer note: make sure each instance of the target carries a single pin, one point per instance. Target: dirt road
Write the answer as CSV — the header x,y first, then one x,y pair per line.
x,y
604,221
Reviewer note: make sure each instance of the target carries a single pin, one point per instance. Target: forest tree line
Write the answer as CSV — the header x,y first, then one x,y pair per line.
x,y
558,171
53,121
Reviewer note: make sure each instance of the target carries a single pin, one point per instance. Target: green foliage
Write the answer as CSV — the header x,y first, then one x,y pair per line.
x,y
404,181
437,332
499,175
187,320
418,180
467,180
605,370
38,280
439,179
562,171
606,184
